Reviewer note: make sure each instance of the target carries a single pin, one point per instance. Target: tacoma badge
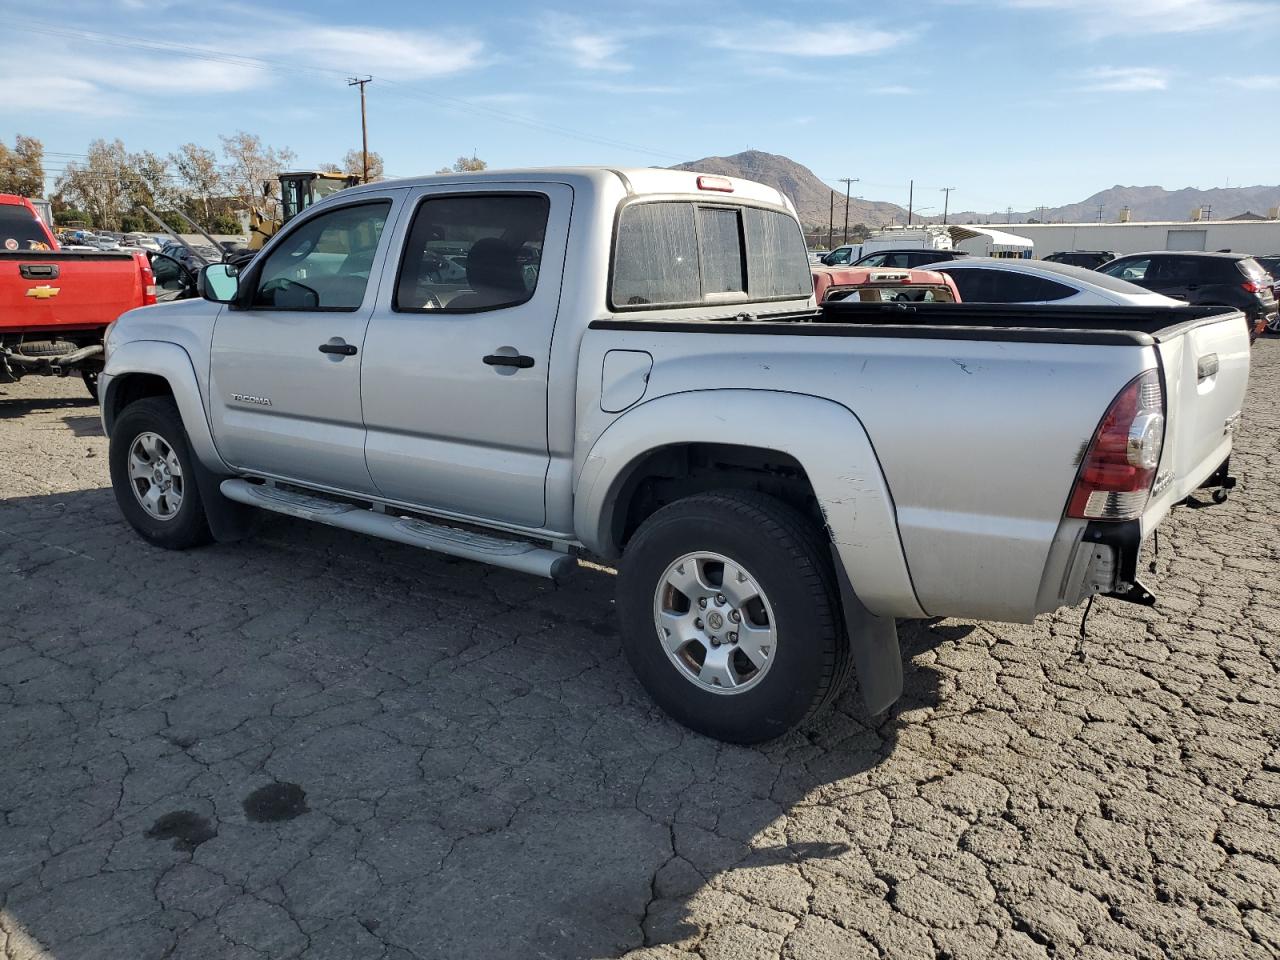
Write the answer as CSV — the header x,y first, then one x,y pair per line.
x,y
244,398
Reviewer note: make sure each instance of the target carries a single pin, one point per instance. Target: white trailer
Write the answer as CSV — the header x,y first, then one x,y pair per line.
x,y
1258,237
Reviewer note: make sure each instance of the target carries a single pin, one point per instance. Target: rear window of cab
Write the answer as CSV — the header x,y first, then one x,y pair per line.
x,y
686,254
19,230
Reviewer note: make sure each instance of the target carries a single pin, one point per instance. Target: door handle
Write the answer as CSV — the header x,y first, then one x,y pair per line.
x,y
502,360
340,348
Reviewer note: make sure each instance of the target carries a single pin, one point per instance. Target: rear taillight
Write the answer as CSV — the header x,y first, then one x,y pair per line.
x,y
148,280
1120,464
1252,287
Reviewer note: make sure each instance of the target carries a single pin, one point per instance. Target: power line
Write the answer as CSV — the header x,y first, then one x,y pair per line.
x,y
406,91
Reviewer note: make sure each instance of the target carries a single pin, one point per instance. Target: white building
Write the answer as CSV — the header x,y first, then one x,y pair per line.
x,y
1239,236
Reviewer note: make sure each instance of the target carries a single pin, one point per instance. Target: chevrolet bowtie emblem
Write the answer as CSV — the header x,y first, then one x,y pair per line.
x,y
43,292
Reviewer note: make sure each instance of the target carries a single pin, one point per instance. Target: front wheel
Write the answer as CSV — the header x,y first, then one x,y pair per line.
x,y
153,475
729,615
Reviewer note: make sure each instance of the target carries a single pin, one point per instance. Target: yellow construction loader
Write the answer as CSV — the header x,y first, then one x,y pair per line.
x,y
298,190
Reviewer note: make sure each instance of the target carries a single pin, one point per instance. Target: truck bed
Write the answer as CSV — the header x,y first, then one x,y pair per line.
x,y
978,414
47,293
1015,322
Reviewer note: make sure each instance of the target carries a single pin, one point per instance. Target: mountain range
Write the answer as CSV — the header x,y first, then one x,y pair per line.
x,y
813,198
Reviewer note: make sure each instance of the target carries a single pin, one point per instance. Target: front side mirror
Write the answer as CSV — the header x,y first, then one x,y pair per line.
x,y
220,282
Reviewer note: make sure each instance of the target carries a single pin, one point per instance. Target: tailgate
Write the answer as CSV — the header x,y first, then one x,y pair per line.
x,y
1206,371
42,292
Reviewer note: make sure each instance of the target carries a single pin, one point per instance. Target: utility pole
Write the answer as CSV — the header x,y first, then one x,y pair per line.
x,y
911,195
1042,213
364,126
1008,214
847,181
831,220
1099,213
946,201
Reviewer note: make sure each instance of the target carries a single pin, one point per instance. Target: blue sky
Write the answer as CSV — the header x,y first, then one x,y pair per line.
x,y
1012,102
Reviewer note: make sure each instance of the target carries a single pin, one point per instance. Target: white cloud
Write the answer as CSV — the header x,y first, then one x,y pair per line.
x,y
1258,81
582,46
625,89
1124,79
394,54
894,90
1109,17
827,40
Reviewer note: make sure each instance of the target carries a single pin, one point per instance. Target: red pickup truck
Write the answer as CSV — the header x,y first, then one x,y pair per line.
x,y
55,305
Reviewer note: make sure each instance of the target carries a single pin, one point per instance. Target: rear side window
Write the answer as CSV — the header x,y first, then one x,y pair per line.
x,y
473,252
1252,269
1006,286
19,230
682,253
1131,270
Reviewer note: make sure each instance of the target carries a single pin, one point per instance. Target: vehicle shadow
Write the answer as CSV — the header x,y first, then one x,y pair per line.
x,y
11,407
313,738
88,425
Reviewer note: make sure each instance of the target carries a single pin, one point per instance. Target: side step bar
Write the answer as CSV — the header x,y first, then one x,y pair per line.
x,y
482,548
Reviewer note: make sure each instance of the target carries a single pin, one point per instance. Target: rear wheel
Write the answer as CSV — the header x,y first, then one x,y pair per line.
x,y
153,475
730,616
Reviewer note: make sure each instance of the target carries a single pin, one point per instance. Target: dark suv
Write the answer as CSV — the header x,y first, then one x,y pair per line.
x,y
1228,279
907,259
1089,259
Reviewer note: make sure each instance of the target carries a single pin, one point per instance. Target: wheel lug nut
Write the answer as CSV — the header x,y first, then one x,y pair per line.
x,y
735,616
702,603
715,642
732,638
698,623
720,601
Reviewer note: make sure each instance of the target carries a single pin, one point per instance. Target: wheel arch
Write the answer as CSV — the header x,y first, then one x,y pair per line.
x,y
814,447
147,368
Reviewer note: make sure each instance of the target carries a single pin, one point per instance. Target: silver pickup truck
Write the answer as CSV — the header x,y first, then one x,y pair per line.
x,y
523,367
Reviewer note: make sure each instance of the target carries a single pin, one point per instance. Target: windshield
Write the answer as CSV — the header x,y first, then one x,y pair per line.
x,y
19,230
325,188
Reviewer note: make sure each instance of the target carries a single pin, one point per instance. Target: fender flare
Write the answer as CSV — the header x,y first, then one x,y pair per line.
x,y
172,363
827,439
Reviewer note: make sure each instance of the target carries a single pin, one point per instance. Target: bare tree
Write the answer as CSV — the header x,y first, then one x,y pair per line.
x,y
200,176
469,164
22,167
353,162
99,185
251,168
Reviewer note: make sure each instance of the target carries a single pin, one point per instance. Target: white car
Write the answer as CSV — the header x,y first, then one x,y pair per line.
x,y
992,280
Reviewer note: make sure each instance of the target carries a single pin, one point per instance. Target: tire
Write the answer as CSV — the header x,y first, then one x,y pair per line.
x,y
90,377
45,348
157,417
784,557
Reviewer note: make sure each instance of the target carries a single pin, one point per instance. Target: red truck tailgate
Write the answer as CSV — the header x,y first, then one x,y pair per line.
x,y
44,292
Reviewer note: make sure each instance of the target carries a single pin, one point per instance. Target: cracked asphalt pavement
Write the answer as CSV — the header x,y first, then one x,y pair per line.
x,y
314,745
